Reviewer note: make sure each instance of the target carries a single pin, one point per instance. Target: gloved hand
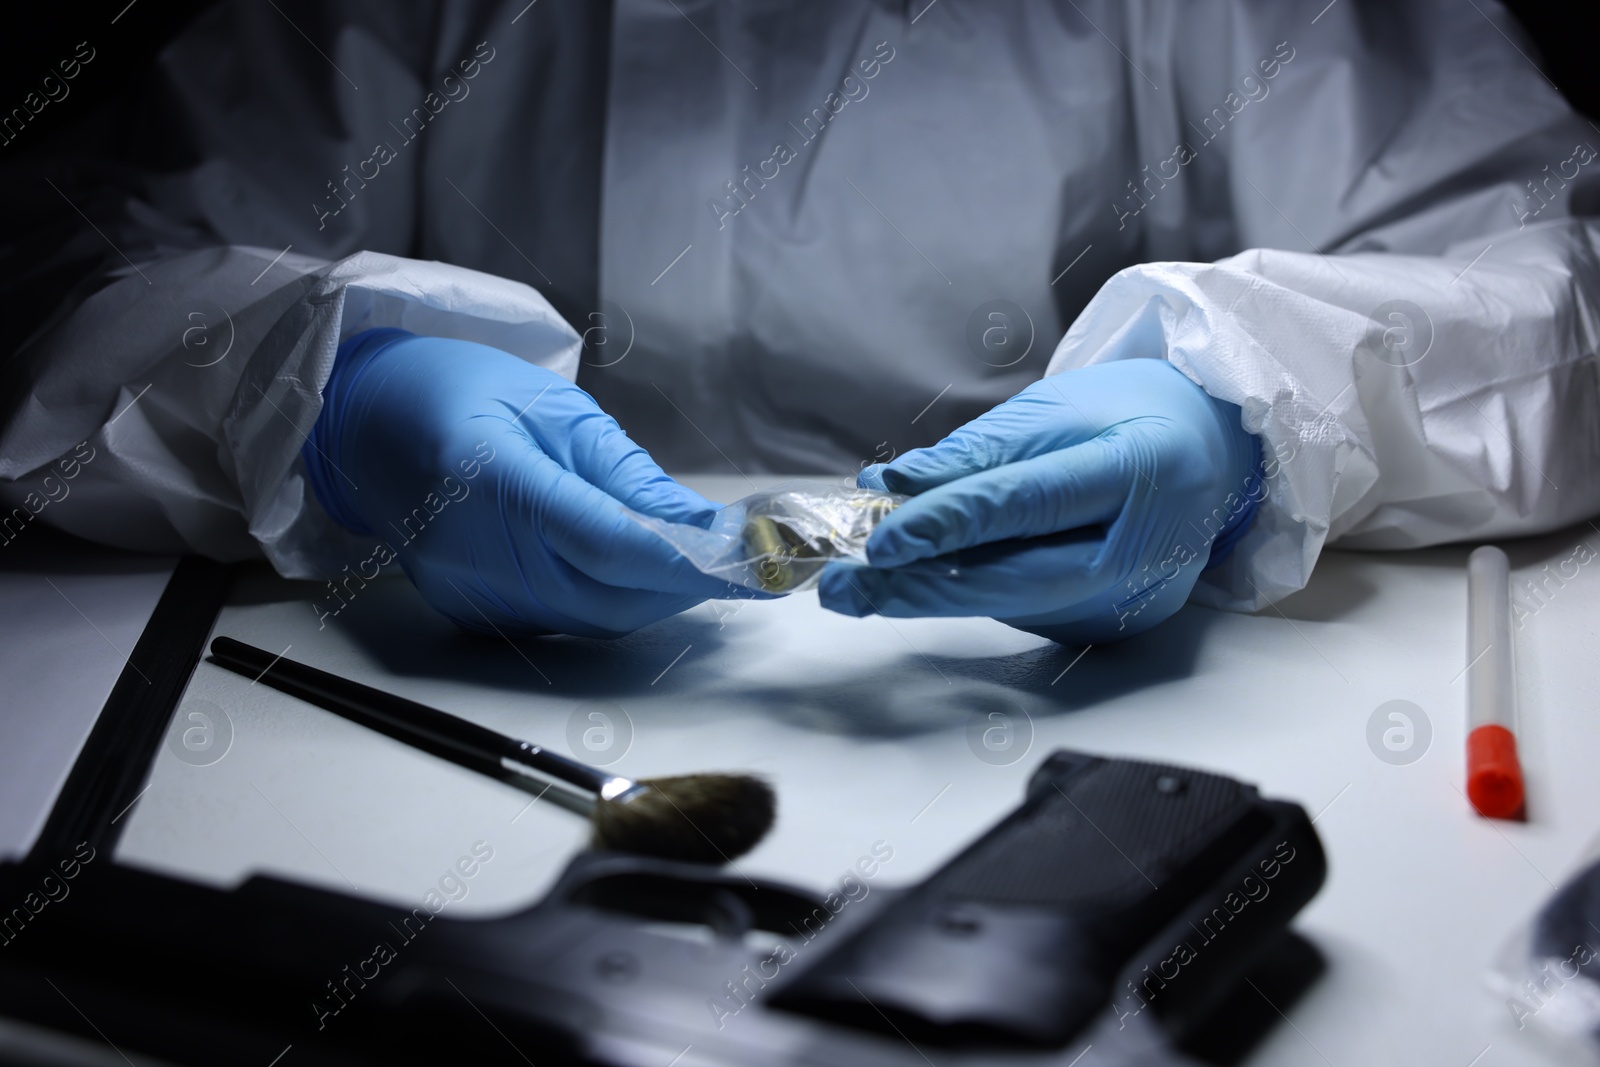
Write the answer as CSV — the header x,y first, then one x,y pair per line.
x,y
503,488
1082,509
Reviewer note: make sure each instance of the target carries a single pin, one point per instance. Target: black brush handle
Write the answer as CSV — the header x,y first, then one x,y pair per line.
x,y
401,718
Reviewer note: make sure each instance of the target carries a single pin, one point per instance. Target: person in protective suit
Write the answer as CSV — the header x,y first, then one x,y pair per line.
x,y
358,284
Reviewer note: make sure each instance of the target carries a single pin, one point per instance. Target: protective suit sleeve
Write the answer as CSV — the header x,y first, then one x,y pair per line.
x,y
211,273
1412,328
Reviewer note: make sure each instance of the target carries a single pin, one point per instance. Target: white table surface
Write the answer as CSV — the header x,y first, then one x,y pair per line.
x,y
862,725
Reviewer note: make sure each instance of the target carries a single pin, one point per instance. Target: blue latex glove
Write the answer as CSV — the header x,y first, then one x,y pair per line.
x,y
1082,509
503,488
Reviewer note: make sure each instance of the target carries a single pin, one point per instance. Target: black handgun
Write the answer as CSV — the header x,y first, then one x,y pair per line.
x,y
1109,919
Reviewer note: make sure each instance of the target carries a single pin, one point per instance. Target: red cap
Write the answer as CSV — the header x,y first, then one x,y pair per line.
x,y
1494,777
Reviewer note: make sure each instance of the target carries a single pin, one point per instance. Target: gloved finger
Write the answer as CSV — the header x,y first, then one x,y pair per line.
x,y
1084,485
1016,579
594,533
1032,423
871,477
571,429
622,470
507,573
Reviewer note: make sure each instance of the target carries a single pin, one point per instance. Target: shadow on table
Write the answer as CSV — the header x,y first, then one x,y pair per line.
x,y
1342,582
1337,588
920,693
912,694
391,622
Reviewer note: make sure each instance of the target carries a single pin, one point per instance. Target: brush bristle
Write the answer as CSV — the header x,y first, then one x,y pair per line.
x,y
701,818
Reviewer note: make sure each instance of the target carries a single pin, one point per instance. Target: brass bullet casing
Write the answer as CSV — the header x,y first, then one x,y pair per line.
x,y
784,559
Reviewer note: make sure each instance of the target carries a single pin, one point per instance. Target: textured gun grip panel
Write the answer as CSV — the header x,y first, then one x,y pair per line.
x,y
1227,926
1106,833
1024,934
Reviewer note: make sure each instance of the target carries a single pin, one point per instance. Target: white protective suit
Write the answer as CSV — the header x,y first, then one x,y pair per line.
x,y
803,236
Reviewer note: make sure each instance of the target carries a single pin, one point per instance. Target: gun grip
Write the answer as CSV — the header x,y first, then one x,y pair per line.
x,y
1118,879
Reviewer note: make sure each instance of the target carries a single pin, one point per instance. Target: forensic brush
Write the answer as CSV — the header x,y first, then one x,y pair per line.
x,y
701,818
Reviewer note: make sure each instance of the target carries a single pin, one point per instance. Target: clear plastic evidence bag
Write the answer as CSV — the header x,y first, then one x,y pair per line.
x,y
779,539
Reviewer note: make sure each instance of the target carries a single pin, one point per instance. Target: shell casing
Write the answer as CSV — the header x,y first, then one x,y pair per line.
x,y
784,559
